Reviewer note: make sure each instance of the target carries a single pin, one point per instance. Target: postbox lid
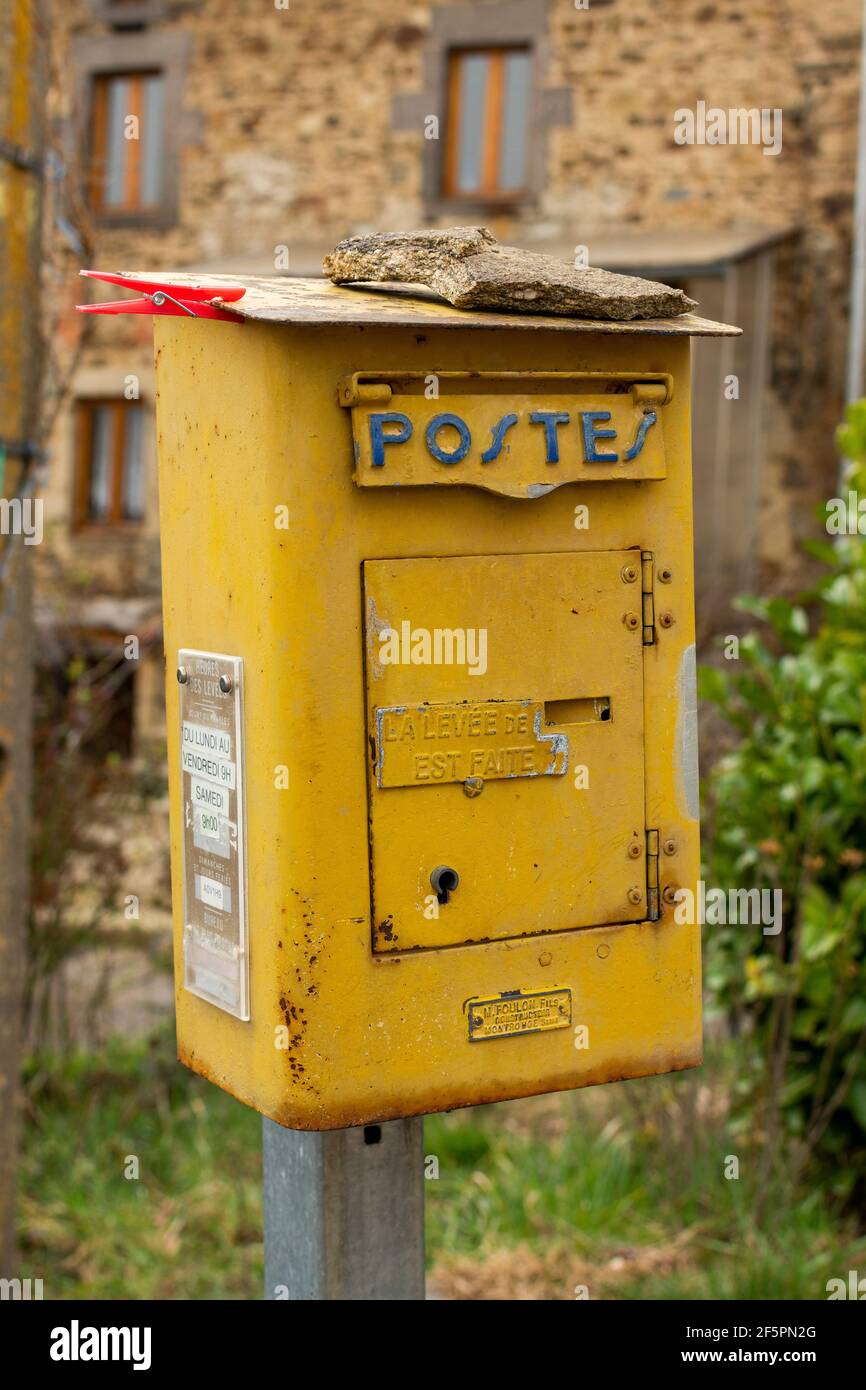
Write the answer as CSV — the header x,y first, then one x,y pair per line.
x,y
317,302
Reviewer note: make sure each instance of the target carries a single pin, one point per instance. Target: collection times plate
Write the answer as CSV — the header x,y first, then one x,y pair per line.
x,y
215,938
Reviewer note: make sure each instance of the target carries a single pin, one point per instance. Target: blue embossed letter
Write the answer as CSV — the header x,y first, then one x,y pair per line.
x,y
648,419
550,419
378,438
591,434
439,422
500,430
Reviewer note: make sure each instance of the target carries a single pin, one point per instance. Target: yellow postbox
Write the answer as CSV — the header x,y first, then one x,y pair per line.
x,y
432,742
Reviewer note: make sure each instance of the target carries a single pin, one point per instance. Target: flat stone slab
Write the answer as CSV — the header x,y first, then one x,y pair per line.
x,y
469,268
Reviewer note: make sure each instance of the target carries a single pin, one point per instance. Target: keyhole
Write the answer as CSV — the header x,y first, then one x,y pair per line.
x,y
444,881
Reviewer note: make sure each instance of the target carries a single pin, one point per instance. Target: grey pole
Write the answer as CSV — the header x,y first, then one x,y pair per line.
x,y
344,1212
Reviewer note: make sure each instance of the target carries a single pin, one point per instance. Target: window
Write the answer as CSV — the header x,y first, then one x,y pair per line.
x,y
485,70
110,481
127,140
136,72
488,120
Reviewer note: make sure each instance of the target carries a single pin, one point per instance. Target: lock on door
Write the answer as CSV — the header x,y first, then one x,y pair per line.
x,y
443,881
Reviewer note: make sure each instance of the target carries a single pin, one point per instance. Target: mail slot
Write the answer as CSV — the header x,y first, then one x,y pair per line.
x,y
429,620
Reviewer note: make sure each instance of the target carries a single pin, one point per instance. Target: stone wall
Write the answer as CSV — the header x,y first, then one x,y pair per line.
x,y
301,125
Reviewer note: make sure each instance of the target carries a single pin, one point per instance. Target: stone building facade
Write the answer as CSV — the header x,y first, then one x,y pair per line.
x,y
262,132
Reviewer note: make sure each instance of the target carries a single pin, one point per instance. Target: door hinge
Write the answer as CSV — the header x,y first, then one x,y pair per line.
x,y
646,583
652,874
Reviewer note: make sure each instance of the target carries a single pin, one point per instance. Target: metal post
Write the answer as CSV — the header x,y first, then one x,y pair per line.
x,y
344,1213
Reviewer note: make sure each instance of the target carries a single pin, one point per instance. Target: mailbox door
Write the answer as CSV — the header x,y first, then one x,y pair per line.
x,y
505,728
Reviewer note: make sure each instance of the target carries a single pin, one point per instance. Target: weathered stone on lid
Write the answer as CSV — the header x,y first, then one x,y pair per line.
x,y
468,267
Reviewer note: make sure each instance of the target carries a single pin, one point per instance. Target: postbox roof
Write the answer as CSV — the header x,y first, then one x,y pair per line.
x,y
296,300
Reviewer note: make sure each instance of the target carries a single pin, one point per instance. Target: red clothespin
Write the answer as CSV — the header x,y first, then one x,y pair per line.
x,y
165,298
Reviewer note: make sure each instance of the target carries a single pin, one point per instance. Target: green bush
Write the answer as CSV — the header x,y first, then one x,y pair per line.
x,y
788,811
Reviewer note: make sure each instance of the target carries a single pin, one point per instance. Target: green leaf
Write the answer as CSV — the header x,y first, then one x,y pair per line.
x,y
857,1102
854,1016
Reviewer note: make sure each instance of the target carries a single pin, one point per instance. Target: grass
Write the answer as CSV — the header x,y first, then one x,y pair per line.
x,y
189,1227
620,1191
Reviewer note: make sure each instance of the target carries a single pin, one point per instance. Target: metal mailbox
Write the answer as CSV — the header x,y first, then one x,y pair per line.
x,y
428,594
